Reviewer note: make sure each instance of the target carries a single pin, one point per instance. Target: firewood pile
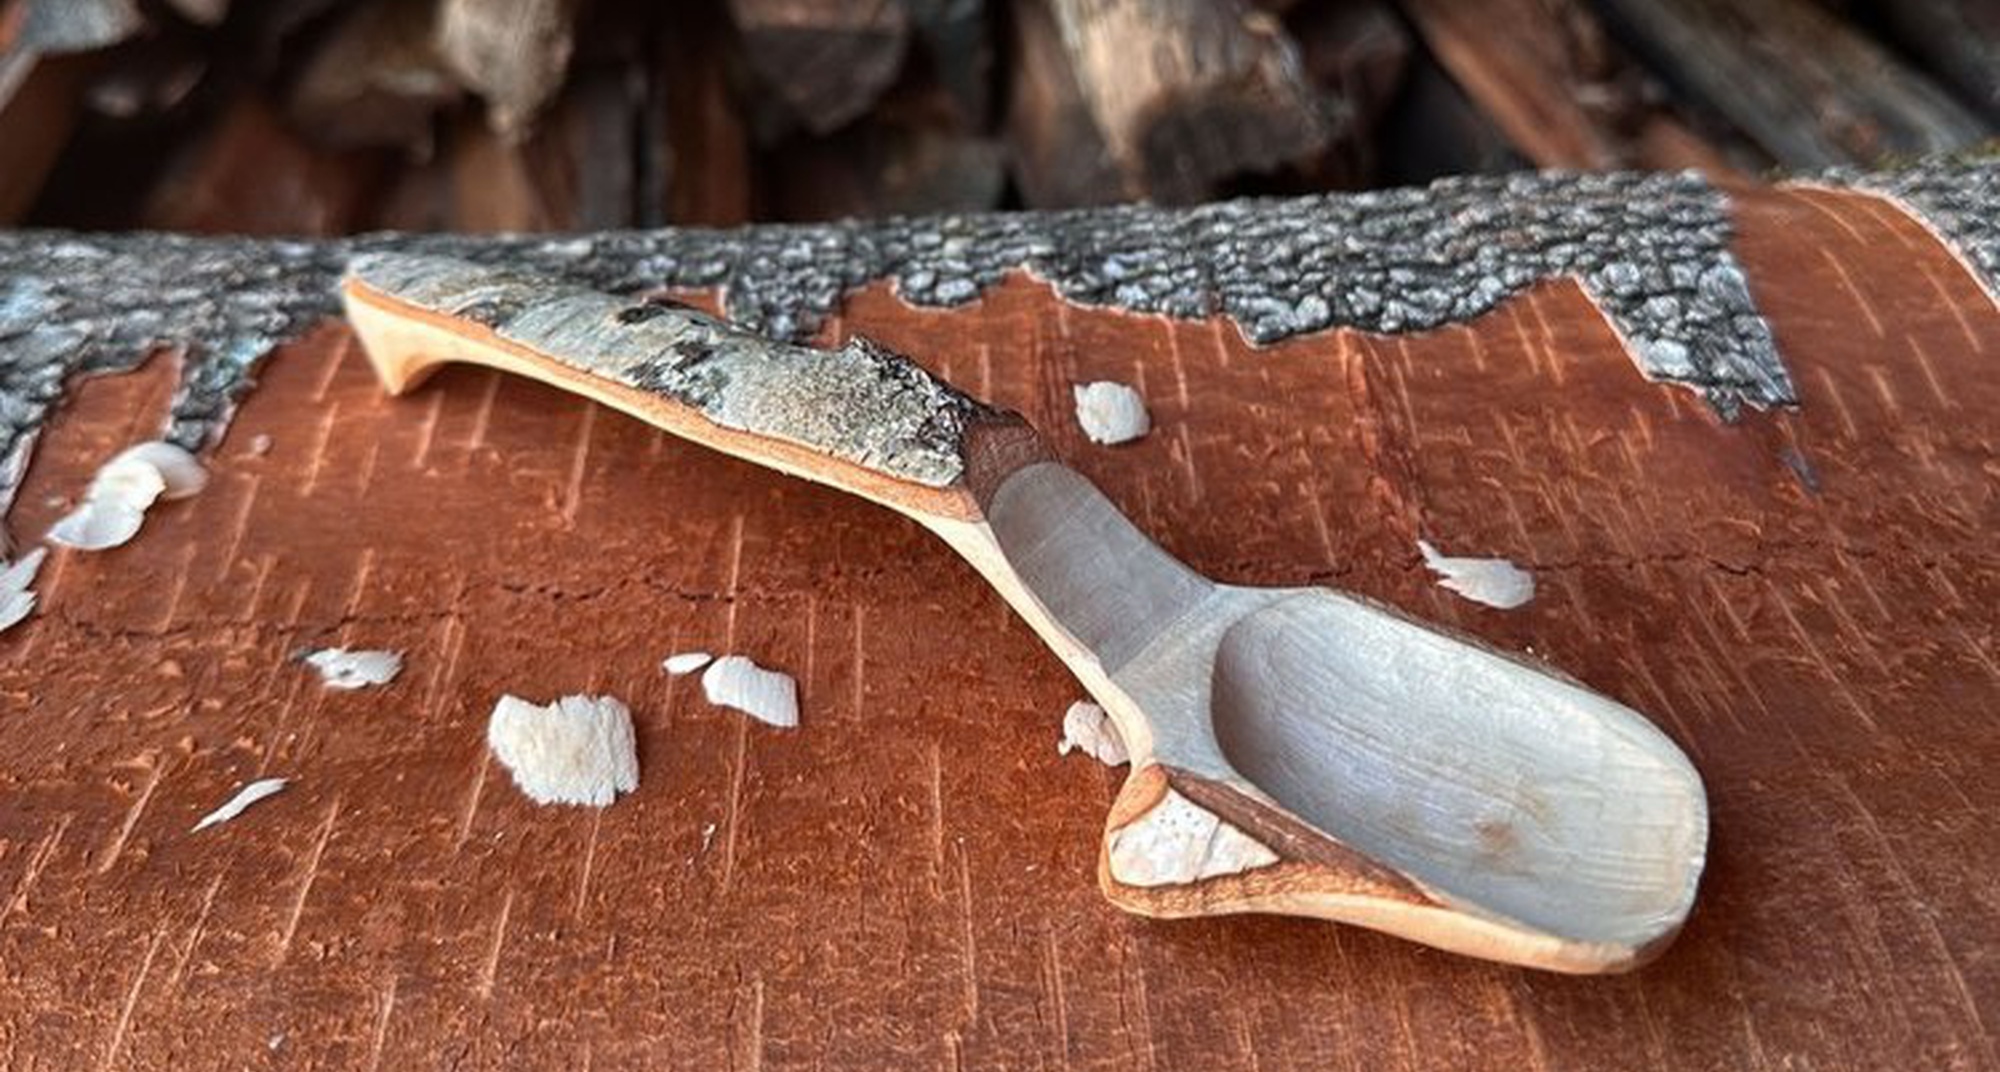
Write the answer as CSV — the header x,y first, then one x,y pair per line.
x,y
333,116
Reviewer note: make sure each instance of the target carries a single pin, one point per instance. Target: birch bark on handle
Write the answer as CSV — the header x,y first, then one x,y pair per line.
x,y
861,417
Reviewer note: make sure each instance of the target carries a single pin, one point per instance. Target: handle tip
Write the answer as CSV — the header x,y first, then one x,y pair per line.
x,y
391,341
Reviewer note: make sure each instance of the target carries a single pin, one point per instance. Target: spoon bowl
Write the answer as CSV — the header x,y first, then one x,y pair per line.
x,y
1354,764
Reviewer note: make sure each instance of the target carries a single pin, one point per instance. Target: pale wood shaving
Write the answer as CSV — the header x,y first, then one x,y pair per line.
x,y
246,796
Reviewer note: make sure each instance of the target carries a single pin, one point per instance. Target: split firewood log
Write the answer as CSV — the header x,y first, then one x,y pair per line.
x,y
1544,71
826,60
513,53
376,78
1808,88
1188,92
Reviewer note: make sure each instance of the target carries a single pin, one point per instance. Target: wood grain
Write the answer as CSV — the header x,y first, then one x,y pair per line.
x,y
907,879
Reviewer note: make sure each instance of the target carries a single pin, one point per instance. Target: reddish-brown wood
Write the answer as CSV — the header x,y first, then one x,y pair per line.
x,y
698,130
251,175
906,880
38,111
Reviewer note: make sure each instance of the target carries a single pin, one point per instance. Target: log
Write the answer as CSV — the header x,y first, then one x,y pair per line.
x,y
39,97
1959,40
1060,158
577,171
1434,129
500,184
1810,90
375,79
1358,54
914,154
513,53
1188,92
589,141
699,167
45,70
956,41
1553,84
825,61
58,27
250,174
1820,647
202,12
148,89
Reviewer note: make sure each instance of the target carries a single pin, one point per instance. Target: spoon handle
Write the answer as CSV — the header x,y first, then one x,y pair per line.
x,y
860,417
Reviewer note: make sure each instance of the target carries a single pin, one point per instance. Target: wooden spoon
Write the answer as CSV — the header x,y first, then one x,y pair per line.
x,y
1299,750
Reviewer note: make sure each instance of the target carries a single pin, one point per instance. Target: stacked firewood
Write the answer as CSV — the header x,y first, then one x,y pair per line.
x,y
327,116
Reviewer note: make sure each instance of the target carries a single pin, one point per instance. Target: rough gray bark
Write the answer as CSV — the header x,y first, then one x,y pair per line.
x,y
1651,249
861,403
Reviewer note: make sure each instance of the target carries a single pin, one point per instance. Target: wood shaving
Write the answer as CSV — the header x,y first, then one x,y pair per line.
x,y
686,662
1111,413
340,668
1495,582
114,507
16,601
577,750
765,695
246,796
181,471
1087,729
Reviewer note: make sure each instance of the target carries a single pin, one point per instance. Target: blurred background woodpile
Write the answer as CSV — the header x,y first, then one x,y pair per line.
x,y
331,116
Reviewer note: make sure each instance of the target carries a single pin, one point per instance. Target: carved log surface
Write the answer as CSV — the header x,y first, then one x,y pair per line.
x,y
1803,599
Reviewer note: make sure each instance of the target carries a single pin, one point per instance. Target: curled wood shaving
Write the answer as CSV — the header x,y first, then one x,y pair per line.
x,y
1495,582
344,669
246,796
1111,413
577,750
16,601
115,505
765,695
1087,729
686,662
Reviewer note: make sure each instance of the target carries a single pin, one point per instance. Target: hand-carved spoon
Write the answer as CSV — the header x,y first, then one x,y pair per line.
x,y
1293,750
